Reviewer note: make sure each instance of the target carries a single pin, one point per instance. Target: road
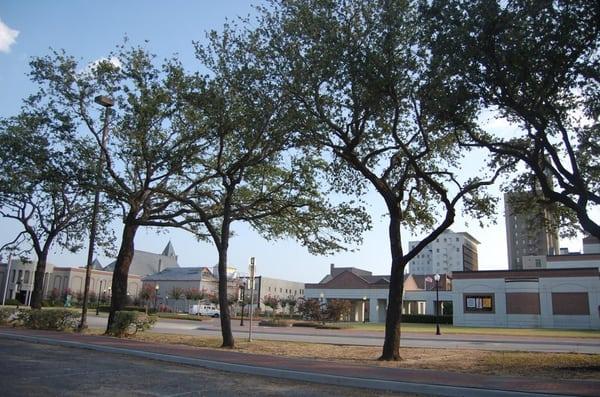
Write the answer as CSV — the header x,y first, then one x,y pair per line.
x,y
375,338
29,369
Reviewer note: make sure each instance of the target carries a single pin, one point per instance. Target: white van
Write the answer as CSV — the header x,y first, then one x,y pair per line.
x,y
209,310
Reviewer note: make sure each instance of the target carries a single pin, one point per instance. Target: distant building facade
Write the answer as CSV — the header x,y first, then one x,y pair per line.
x,y
448,253
144,263
57,281
590,257
546,298
369,293
527,234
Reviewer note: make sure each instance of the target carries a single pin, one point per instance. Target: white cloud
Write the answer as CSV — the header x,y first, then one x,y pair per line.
x,y
8,37
91,67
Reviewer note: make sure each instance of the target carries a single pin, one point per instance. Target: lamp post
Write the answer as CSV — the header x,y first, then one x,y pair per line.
x,y
436,277
7,274
243,302
107,103
156,288
98,298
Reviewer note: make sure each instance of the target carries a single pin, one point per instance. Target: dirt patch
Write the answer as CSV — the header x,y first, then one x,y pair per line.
x,y
541,365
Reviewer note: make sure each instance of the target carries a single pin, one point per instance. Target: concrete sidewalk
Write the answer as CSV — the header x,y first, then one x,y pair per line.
x,y
372,377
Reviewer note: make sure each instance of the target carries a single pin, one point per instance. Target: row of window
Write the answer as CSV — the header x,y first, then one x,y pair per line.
x,y
287,291
24,278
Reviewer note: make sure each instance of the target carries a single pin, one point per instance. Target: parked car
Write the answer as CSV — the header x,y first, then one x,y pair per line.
x,y
205,310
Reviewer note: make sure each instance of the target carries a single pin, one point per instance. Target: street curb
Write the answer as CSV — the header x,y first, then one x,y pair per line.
x,y
347,381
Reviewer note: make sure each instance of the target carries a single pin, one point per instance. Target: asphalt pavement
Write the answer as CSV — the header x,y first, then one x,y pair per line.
x,y
33,369
329,373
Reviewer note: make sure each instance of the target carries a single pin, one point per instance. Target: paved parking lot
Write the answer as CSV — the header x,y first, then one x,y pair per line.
x,y
29,369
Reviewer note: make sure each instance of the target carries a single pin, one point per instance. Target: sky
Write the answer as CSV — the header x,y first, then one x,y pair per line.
x,y
90,30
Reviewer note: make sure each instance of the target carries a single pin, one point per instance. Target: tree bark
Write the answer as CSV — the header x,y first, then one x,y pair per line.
x,y
226,332
391,344
121,271
37,295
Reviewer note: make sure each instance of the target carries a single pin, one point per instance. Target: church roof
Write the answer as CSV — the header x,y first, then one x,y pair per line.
x,y
169,250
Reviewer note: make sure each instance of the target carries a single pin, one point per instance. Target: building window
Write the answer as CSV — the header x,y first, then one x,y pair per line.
x,y
457,239
538,263
12,275
26,278
479,303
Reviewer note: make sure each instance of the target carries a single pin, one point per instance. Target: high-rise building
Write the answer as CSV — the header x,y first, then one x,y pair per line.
x,y
528,233
449,252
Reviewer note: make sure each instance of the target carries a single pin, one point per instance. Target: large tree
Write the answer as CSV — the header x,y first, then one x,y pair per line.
x,y
356,70
147,148
39,185
255,170
537,64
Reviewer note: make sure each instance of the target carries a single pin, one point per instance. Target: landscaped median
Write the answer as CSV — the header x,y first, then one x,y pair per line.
x,y
542,365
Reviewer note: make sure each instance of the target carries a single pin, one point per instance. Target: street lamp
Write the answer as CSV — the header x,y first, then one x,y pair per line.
x,y
436,277
156,288
243,302
107,103
98,298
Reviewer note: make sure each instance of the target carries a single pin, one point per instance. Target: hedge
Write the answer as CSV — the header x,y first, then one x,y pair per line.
x,y
49,319
425,319
7,315
128,322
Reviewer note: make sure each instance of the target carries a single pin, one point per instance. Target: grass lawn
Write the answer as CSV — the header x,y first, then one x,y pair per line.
x,y
541,365
450,329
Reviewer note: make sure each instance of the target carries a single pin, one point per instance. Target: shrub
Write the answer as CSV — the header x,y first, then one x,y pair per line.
x,y
425,319
276,322
13,302
339,309
128,323
51,319
6,315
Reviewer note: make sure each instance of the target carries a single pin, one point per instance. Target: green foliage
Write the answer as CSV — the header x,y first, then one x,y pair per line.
x,y
534,65
127,323
7,315
49,319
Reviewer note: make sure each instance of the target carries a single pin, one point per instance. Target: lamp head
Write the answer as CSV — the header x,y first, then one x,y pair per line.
x,y
105,101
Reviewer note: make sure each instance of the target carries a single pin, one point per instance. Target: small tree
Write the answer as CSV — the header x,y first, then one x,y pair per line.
x,y
338,309
272,301
290,303
147,293
312,309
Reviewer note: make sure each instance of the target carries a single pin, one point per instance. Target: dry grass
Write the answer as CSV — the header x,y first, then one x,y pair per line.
x,y
542,365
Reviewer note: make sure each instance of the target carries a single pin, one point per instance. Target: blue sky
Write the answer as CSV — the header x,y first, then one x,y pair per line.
x,y
90,30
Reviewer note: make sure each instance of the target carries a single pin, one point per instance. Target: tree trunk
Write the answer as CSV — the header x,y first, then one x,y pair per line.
x,y
391,344
226,332
37,295
121,271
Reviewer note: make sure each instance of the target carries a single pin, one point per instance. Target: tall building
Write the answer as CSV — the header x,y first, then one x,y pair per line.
x,y
449,252
527,233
